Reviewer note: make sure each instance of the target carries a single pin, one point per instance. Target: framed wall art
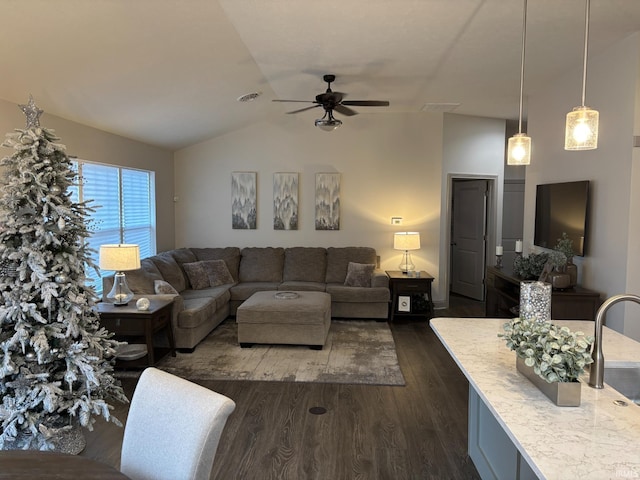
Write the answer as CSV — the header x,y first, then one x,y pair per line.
x,y
285,201
327,201
243,200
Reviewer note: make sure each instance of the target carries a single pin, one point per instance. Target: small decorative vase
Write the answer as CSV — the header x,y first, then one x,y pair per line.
x,y
562,394
558,279
535,301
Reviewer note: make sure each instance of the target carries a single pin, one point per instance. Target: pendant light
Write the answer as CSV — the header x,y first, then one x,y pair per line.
x,y
519,148
581,131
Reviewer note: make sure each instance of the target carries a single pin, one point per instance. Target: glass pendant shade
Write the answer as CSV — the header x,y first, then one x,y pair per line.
x,y
328,122
581,131
519,150
519,147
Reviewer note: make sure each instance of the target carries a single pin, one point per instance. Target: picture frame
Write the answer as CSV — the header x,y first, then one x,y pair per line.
x,y
244,200
285,201
327,201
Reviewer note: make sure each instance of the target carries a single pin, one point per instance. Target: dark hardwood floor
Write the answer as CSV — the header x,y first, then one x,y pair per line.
x,y
418,431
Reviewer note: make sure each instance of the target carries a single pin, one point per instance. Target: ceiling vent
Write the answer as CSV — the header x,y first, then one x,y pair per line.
x,y
249,97
440,107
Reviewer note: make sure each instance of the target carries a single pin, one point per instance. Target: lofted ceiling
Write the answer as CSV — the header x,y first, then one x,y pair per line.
x,y
169,72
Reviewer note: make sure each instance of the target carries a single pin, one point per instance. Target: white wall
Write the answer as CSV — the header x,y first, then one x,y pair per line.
x,y
613,234
390,166
95,145
473,147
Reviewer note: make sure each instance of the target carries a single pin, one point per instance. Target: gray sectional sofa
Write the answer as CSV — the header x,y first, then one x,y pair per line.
x,y
200,307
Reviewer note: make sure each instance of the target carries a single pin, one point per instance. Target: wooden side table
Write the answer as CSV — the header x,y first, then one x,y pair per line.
x,y
129,323
402,284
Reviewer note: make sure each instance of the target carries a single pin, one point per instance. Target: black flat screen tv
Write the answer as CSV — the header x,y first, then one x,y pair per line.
x,y
562,207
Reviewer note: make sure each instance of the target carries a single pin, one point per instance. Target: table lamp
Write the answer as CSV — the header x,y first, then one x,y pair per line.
x,y
121,257
406,241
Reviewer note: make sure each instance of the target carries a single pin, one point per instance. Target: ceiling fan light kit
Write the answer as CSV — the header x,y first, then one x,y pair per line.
x,y
328,122
330,101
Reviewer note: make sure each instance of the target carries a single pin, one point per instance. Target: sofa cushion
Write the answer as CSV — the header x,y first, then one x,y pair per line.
x,y
196,311
338,259
242,291
307,264
230,255
162,287
197,275
207,273
218,272
359,274
261,264
170,270
303,286
142,280
343,293
183,255
220,294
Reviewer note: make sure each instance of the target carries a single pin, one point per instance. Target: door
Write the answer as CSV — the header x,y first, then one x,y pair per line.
x,y
468,236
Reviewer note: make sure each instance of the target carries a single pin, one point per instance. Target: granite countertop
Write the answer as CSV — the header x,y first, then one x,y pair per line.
x,y
597,440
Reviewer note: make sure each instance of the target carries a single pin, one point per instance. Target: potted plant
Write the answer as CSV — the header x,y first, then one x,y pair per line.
x,y
552,357
565,245
555,271
530,268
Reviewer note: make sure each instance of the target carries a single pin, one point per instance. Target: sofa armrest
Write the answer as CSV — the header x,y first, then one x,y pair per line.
x,y
379,278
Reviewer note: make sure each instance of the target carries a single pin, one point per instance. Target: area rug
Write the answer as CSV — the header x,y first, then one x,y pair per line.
x,y
357,352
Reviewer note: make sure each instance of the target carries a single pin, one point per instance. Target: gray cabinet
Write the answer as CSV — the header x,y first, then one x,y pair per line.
x,y
492,451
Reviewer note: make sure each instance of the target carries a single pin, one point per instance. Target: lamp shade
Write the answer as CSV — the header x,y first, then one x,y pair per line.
x,y
120,257
406,241
519,150
581,131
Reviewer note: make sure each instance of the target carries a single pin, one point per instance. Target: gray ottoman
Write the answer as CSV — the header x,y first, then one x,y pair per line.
x,y
264,318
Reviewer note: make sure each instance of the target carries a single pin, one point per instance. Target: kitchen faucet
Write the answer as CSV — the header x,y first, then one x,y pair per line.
x,y
596,373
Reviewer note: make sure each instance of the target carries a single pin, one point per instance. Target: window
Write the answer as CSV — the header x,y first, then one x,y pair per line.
x,y
124,202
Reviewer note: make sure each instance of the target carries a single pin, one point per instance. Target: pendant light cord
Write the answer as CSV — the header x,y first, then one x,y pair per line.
x,y
524,39
586,47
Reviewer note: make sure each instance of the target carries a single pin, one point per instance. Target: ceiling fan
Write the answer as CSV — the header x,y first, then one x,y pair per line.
x,y
331,101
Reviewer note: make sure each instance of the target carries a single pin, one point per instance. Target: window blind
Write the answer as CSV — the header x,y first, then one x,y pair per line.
x,y
124,203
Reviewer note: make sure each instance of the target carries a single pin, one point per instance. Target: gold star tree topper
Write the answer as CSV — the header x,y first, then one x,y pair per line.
x,y
32,113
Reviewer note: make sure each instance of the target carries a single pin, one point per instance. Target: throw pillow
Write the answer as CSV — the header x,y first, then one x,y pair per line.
x,y
218,272
163,288
197,275
359,274
207,273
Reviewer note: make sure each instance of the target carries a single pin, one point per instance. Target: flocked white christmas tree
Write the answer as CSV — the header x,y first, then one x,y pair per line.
x,y
56,368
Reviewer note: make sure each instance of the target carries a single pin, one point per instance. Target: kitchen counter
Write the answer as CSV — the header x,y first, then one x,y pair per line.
x,y
597,440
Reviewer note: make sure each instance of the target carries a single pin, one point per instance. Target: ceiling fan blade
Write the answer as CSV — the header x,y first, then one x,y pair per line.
x,y
303,109
366,103
345,110
298,101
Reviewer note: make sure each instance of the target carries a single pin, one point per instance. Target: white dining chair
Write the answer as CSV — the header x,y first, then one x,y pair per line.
x,y
173,428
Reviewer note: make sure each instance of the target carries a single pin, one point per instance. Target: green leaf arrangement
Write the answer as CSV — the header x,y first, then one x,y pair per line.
x,y
530,267
556,353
